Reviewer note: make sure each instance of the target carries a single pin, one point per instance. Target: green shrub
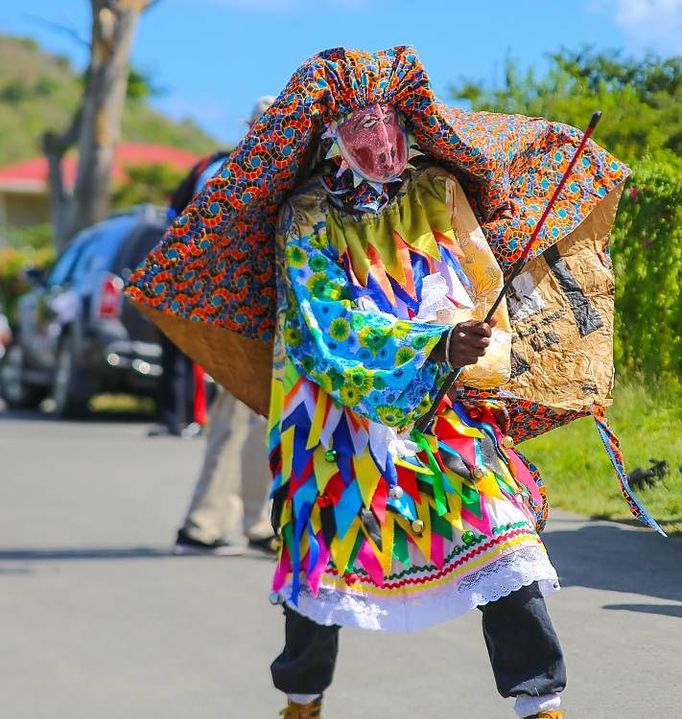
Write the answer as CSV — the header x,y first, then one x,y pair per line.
x,y
152,183
647,256
35,237
12,264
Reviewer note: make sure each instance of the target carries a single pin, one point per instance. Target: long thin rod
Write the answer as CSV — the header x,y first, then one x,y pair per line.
x,y
423,423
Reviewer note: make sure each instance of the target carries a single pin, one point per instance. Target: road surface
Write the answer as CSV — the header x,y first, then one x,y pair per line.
x,y
100,622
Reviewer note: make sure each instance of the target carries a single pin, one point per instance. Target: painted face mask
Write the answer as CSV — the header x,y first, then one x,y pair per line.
x,y
373,143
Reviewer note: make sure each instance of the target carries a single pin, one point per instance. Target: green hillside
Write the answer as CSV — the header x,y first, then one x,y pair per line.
x,y
39,91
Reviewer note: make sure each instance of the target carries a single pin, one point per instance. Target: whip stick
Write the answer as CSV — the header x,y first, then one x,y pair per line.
x,y
423,423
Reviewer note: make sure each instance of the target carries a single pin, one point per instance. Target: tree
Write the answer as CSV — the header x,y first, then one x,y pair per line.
x,y
96,125
641,98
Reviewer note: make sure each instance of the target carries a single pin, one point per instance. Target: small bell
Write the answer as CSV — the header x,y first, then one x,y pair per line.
x,y
468,538
417,526
275,544
507,442
275,598
396,492
477,471
330,455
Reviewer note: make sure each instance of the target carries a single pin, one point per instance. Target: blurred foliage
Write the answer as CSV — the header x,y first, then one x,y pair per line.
x,y
647,256
13,262
20,248
641,98
642,104
33,237
146,184
40,92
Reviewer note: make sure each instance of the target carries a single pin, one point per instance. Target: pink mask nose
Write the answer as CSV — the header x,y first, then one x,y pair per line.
x,y
373,143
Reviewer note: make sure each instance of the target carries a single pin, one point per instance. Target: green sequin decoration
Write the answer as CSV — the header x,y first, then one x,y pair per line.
x,y
468,538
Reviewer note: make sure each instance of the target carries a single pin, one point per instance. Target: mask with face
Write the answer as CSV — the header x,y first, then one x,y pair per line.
x,y
373,143
370,151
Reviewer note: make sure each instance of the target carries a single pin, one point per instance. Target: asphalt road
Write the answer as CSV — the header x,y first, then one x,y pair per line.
x,y
98,621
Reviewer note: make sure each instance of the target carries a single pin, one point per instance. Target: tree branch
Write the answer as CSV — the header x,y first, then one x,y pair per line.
x,y
55,145
64,29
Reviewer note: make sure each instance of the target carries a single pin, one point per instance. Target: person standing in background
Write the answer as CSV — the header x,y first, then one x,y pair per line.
x,y
237,437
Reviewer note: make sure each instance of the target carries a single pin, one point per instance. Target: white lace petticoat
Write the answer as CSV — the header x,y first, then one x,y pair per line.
x,y
424,596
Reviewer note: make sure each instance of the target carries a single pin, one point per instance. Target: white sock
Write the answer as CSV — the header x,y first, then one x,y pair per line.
x,y
526,706
302,698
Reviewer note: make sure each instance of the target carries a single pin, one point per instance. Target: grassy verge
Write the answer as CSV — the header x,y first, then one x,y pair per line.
x,y
648,422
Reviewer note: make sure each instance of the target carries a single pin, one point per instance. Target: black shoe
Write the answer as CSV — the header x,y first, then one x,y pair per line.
x,y
266,545
186,545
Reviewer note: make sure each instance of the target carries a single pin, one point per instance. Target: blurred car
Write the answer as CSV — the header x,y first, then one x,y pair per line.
x,y
76,335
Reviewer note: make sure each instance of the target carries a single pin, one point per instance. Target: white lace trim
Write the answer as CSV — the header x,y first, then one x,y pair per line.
x,y
405,612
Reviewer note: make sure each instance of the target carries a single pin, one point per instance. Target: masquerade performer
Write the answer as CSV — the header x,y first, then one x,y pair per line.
x,y
391,221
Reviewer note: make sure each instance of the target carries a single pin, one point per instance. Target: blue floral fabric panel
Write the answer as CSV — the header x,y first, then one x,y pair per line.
x,y
368,360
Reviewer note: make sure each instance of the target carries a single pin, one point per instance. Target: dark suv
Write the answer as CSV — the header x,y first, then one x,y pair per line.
x,y
76,335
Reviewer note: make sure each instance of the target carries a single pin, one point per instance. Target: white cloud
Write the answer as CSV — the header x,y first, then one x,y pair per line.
x,y
648,24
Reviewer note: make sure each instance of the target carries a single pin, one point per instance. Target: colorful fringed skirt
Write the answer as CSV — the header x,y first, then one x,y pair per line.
x,y
459,531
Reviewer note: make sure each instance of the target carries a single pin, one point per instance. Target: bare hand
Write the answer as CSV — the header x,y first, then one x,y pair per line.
x,y
469,342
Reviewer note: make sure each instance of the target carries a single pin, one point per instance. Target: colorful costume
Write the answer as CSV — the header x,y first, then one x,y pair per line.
x,y
411,541
384,527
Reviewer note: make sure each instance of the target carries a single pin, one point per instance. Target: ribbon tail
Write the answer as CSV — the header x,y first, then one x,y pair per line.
x,y
612,446
438,483
301,524
313,550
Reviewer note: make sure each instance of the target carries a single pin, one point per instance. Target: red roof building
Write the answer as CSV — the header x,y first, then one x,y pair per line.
x,y
24,191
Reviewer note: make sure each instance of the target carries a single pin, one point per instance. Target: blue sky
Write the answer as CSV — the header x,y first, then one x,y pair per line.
x,y
213,58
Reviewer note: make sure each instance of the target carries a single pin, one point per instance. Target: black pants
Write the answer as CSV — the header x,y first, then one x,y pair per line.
x,y
524,649
176,388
